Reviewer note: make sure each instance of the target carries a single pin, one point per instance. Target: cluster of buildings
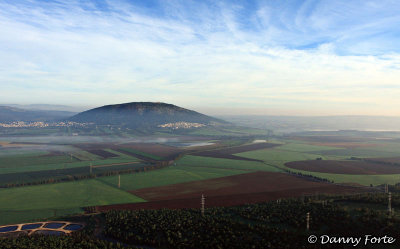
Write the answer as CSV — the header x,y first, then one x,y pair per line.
x,y
181,125
21,124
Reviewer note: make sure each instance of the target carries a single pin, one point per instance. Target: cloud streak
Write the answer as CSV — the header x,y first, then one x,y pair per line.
x,y
320,57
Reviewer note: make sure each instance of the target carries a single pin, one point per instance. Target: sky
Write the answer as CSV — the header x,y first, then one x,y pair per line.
x,y
220,57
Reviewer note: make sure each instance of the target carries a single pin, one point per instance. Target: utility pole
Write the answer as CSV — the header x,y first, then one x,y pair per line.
x,y
203,202
308,221
119,181
390,203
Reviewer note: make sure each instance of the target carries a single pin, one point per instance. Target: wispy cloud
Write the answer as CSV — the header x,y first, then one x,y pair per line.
x,y
325,57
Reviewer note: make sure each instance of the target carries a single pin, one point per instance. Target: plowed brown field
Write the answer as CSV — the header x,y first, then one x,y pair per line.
x,y
232,190
228,152
352,167
160,150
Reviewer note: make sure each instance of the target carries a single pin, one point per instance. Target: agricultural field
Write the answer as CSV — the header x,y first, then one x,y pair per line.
x,y
301,150
267,185
236,173
389,161
353,167
232,191
227,153
48,200
167,176
157,150
102,153
222,163
138,153
50,162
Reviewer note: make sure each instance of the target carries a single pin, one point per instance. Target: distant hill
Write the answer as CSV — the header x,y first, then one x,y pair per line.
x,y
49,107
142,114
13,114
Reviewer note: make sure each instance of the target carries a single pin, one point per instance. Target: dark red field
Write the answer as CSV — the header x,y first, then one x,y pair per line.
x,y
164,151
53,153
93,146
387,160
232,190
352,167
216,154
160,150
227,153
102,153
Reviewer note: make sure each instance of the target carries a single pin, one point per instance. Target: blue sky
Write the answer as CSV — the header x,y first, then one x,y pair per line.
x,y
219,57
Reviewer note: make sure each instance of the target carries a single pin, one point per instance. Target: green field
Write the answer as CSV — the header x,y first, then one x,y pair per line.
x,y
303,147
222,163
29,160
85,156
141,153
23,203
29,163
300,152
50,200
360,152
167,176
279,157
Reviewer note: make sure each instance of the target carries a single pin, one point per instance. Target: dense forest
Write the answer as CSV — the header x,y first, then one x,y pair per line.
x,y
280,224
77,241
277,224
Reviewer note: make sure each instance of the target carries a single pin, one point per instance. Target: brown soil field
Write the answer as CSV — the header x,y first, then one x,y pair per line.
x,y
217,154
255,182
387,160
165,151
228,152
232,190
93,146
352,167
155,149
53,153
102,153
15,145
